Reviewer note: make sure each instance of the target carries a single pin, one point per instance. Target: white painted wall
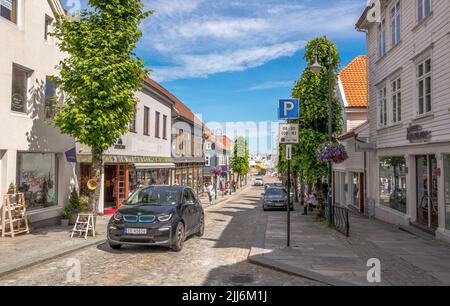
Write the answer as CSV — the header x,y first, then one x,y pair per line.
x,y
24,44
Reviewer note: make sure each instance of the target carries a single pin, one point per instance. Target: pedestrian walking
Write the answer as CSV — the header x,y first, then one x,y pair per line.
x,y
210,190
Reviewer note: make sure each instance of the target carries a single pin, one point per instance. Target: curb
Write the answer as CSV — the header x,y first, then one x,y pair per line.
x,y
256,256
47,257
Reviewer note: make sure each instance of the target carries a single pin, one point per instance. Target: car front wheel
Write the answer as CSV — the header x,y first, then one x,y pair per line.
x,y
179,238
201,230
114,246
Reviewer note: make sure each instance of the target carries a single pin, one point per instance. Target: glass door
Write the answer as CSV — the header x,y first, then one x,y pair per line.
x,y
122,180
427,191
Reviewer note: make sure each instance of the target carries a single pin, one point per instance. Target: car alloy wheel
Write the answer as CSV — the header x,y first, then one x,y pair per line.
x,y
179,237
201,230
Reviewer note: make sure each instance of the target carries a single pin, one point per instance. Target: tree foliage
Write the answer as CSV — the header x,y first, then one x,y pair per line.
x,y
101,73
312,91
240,159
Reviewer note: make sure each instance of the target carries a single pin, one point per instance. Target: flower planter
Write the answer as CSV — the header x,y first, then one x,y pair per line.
x,y
333,152
65,222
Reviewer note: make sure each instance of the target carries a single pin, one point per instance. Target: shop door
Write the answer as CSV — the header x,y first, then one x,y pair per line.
x,y
427,191
121,184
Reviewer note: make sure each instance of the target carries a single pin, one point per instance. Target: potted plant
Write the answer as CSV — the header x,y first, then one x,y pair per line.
x,y
12,189
65,216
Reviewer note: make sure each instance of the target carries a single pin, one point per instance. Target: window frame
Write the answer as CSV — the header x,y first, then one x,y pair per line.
x,y
422,14
165,127
396,96
382,38
29,73
422,107
396,23
146,130
382,105
157,124
13,12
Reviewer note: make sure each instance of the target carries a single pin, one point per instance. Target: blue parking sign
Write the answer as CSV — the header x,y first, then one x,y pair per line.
x,y
289,109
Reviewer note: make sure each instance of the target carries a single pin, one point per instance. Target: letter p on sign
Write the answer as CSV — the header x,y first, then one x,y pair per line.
x,y
289,109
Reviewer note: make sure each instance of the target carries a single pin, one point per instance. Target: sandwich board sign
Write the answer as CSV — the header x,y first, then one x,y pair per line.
x,y
288,133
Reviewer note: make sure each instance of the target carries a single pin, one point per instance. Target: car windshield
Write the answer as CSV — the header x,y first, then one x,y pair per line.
x,y
158,196
276,192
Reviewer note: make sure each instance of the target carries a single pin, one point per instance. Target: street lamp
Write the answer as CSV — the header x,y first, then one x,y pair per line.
x,y
316,68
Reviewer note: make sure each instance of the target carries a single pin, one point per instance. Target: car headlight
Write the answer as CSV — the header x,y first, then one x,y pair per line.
x,y
118,217
164,218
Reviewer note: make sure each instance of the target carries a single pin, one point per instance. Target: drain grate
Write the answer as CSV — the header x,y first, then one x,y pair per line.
x,y
242,279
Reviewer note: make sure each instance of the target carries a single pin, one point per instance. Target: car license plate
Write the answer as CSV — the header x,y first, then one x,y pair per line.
x,y
136,231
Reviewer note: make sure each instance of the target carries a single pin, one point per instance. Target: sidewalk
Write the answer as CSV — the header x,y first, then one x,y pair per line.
x,y
44,244
325,255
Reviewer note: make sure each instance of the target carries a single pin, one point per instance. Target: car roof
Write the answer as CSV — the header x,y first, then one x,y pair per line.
x,y
173,187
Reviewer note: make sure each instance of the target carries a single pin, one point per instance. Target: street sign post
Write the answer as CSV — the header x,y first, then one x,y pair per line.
x,y
289,109
288,152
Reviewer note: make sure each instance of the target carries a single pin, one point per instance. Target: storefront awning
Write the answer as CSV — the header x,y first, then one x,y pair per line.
x,y
145,166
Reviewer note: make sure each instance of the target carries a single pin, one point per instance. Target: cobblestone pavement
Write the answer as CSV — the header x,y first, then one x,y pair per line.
x,y
218,258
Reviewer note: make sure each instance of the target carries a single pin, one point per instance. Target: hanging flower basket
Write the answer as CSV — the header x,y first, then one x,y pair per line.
x,y
334,152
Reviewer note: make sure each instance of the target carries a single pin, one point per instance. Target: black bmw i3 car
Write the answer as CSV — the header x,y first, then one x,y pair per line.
x,y
157,215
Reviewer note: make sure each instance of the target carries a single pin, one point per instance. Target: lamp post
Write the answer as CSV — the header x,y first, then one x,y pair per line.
x,y
316,68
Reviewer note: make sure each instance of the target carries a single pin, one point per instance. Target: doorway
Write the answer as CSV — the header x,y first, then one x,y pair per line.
x,y
427,191
116,186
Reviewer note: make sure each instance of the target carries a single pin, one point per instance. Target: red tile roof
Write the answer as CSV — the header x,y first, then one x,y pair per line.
x,y
180,107
354,81
223,142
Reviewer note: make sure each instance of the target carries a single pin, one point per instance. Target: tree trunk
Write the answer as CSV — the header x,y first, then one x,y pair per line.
x,y
96,172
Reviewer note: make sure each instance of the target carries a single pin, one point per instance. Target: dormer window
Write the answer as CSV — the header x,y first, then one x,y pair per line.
x,y
8,10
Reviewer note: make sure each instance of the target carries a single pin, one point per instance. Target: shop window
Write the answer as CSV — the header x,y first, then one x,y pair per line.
x,y
8,10
393,182
19,96
37,179
447,190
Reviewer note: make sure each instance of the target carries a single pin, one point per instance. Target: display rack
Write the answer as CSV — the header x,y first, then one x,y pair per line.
x,y
14,215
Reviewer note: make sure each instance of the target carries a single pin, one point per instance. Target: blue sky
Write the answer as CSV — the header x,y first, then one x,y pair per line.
x,y
231,60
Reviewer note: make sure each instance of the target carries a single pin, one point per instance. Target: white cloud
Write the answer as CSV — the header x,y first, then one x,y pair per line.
x,y
272,85
238,60
199,37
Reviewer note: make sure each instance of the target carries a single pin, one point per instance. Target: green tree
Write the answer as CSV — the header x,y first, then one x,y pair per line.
x,y
99,76
240,159
312,91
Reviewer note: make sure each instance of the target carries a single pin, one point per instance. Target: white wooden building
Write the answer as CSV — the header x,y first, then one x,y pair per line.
x,y
409,115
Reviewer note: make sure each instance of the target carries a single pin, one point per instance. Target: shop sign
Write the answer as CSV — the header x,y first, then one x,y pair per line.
x,y
125,159
119,145
415,133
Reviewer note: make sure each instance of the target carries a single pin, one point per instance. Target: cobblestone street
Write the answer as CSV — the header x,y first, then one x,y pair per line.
x,y
218,258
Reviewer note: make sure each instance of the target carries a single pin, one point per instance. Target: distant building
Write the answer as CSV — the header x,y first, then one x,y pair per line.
x,y
349,176
218,153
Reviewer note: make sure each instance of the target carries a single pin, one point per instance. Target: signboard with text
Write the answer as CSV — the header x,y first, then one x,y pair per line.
x,y
288,133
